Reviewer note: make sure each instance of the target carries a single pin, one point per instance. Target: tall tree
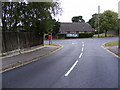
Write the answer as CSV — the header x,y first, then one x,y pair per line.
x,y
109,21
78,19
32,16
92,20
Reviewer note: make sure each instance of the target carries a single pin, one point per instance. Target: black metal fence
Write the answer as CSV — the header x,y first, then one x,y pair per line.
x,y
19,40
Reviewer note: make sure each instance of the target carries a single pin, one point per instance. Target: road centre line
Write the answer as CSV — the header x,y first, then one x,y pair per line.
x,y
83,45
71,68
69,71
82,49
80,55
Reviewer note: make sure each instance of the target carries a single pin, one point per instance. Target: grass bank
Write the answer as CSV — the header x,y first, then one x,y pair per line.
x,y
102,35
110,44
51,44
113,43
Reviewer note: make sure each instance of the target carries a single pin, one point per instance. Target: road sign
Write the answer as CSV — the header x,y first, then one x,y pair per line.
x,y
119,10
72,35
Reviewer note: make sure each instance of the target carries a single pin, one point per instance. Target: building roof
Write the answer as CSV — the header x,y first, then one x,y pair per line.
x,y
75,27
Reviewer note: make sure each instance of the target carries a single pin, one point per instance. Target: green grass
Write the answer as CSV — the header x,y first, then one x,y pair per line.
x,y
51,44
113,43
102,35
117,53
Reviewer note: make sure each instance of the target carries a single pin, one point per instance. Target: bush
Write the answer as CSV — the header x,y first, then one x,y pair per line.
x,y
86,35
61,35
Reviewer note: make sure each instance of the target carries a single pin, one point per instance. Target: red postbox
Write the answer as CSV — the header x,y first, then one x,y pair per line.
x,y
49,37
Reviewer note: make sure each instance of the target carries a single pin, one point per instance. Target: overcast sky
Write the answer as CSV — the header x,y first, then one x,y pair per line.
x,y
85,8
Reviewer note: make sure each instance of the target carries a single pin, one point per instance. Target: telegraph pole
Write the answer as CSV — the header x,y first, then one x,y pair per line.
x,y
98,20
119,23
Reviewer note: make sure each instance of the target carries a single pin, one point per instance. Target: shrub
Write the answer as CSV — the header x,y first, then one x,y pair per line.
x,y
86,34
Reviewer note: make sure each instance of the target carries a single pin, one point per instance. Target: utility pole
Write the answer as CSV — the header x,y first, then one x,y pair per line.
x,y
98,20
119,24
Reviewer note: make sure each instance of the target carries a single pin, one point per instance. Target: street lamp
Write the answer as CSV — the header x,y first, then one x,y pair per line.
x,y
98,20
119,22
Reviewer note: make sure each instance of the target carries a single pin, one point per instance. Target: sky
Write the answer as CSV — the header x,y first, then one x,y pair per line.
x,y
85,8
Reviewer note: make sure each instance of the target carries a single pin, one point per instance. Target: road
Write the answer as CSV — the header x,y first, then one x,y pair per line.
x,y
81,63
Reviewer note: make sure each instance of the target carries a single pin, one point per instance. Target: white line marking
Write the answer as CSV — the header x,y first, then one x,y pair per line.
x,y
73,43
109,51
80,55
83,45
82,49
71,68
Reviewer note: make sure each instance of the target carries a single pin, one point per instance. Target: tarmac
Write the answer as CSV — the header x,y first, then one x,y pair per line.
x,y
114,50
26,56
32,54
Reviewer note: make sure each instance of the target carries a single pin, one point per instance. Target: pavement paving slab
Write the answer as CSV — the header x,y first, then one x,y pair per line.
x,y
26,57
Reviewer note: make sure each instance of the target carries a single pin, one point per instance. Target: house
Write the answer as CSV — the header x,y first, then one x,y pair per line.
x,y
75,28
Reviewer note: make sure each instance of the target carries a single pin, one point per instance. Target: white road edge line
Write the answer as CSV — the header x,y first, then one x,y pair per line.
x,y
80,55
109,51
71,68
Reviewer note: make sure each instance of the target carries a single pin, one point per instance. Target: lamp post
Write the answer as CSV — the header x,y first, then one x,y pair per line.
x,y
98,20
119,23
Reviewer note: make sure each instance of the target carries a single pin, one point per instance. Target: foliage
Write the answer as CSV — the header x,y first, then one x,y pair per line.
x,y
77,19
102,35
92,20
108,21
56,27
31,16
86,35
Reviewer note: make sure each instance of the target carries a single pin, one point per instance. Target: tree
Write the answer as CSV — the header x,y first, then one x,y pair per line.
x,y
56,27
109,21
32,16
78,19
92,20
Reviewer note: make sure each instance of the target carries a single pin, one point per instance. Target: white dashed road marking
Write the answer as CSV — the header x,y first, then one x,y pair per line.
x,y
82,49
71,68
80,55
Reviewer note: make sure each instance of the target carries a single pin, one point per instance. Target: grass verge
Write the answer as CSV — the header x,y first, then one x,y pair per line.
x,y
51,44
113,43
110,44
117,53
102,35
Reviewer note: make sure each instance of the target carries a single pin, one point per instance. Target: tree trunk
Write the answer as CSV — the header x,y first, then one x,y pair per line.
x,y
105,33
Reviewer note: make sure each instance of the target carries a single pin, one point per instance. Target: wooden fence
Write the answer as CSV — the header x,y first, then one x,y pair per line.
x,y
19,40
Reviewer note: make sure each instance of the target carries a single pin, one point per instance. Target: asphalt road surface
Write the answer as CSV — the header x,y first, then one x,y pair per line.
x,y
81,63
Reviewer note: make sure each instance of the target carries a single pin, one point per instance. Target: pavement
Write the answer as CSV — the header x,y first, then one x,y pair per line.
x,y
26,56
114,50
